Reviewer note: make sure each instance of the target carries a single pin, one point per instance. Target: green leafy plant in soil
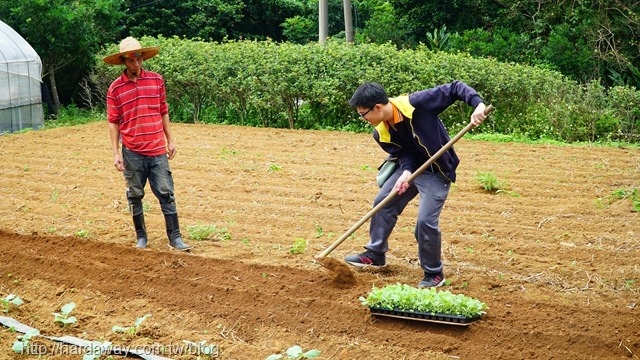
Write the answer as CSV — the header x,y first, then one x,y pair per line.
x,y
299,246
21,345
10,301
407,298
131,330
63,317
295,352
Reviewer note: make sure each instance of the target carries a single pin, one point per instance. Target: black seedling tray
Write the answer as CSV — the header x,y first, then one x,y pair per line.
x,y
415,315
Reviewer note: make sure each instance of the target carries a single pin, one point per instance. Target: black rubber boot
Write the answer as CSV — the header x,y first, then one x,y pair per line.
x,y
173,232
141,230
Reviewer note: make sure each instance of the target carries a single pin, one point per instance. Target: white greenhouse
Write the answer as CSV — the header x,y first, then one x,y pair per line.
x,y
20,79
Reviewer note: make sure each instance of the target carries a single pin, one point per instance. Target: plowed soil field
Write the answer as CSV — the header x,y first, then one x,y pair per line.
x,y
555,255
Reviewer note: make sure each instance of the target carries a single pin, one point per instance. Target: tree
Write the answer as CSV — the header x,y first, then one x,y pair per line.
x,y
63,32
299,29
205,19
263,19
606,33
421,17
585,39
210,19
384,26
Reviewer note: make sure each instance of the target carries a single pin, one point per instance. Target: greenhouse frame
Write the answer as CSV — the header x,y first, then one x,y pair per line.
x,y
20,83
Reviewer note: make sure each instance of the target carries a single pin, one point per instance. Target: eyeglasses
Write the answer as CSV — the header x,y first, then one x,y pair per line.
x,y
363,115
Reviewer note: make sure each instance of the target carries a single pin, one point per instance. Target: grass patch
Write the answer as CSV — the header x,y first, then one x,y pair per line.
x,y
207,232
489,181
632,195
72,115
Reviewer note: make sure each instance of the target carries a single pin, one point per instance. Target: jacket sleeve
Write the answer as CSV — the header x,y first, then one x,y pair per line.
x,y
439,98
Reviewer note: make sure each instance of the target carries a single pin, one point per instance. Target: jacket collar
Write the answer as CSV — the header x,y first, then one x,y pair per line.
x,y
402,104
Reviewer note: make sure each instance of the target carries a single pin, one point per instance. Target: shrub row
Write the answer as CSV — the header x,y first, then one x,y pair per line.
x,y
263,83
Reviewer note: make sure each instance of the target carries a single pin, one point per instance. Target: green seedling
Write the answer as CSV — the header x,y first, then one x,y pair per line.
x,y
274,167
225,153
82,233
620,194
9,301
63,317
131,330
22,344
207,232
299,246
202,349
628,284
295,352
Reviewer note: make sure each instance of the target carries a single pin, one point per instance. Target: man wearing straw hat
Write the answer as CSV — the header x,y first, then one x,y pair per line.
x,y
138,115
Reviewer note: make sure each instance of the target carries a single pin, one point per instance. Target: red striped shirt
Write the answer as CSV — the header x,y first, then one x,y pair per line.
x,y
138,106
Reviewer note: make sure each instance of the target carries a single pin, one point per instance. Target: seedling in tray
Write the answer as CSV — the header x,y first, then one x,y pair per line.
x,y
405,301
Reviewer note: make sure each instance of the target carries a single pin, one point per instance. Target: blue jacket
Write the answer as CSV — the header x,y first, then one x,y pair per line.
x,y
420,133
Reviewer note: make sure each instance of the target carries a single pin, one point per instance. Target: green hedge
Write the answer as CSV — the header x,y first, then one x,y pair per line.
x,y
263,83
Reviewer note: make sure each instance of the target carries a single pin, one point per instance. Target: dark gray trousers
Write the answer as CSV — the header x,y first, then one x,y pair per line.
x,y
137,170
433,190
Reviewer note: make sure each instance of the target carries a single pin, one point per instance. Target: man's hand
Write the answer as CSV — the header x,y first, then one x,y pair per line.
x,y
118,162
401,184
478,115
171,150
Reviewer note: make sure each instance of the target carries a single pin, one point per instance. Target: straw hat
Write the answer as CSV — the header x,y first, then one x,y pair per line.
x,y
130,46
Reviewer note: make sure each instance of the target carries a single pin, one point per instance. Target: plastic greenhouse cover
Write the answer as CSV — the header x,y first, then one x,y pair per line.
x,y
20,70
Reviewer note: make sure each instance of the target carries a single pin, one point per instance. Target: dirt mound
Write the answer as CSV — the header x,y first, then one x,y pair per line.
x,y
554,256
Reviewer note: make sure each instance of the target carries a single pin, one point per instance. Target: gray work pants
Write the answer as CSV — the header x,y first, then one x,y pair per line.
x,y
433,190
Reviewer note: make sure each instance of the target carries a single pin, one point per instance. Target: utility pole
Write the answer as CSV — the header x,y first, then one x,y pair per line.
x,y
323,21
348,21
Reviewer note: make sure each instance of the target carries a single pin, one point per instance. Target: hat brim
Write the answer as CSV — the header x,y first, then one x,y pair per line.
x,y
147,53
